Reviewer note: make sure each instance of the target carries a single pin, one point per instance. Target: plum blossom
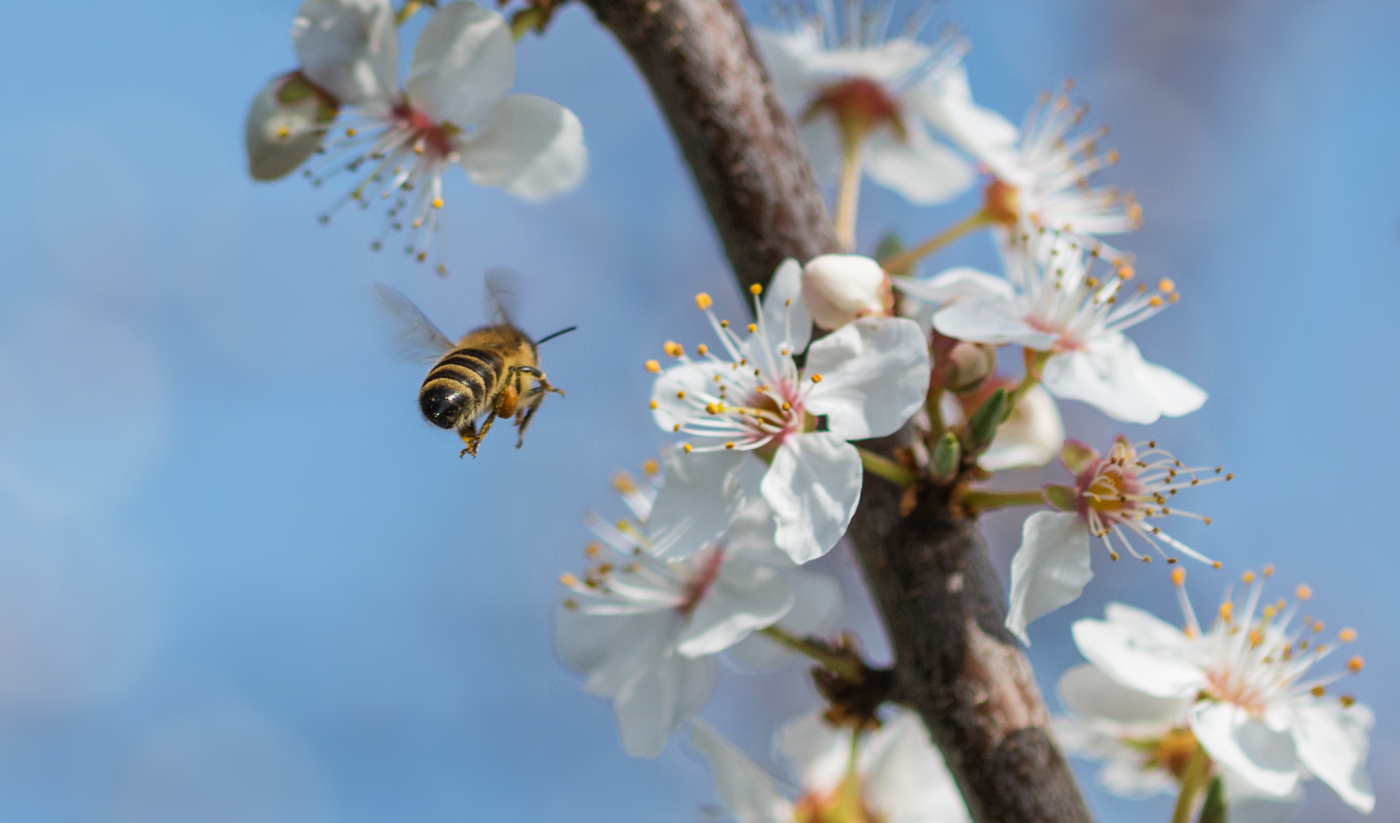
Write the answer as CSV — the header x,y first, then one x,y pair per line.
x,y
892,775
453,109
841,288
1113,495
1076,320
644,631
1252,705
1145,744
855,90
760,426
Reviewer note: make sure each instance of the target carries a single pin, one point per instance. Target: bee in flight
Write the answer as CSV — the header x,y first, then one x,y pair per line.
x,y
493,370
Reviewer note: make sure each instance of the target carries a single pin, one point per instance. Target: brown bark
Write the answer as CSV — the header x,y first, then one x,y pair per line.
x,y
942,603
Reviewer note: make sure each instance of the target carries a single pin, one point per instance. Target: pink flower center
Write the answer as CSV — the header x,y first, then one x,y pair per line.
x,y
706,572
859,105
1109,489
433,137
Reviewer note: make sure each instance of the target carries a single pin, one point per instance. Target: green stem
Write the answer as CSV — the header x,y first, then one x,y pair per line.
x,y
1035,361
1195,778
934,405
409,9
986,499
837,665
903,262
848,194
882,466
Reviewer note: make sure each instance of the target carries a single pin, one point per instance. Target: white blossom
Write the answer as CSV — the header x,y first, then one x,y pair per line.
x,y
852,85
897,776
1253,706
644,631
1113,496
760,426
1145,744
1057,306
453,109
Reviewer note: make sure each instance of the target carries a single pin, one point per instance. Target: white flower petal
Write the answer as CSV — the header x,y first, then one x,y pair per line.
x,y
279,137
1332,743
1256,753
823,147
813,487
665,696
906,780
1091,693
1140,652
1248,805
745,789
529,146
1104,374
818,753
350,48
874,376
463,64
1032,436
676,389
1050,569
945,100
787,56
744,597
922,171
586,641
701,495
995,320
784,310
961,283
1173,394
817,609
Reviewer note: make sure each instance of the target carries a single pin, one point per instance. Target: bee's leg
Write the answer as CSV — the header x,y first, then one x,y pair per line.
x,y
539,378
472,437
535,399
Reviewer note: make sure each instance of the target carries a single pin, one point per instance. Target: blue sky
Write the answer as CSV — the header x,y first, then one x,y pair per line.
x,y
242,580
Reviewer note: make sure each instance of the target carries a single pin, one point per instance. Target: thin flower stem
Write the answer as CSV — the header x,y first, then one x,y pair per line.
x,y
1196,776
1035,361
985,499
837,665
409,9
934,405
881,466
848,194
905,260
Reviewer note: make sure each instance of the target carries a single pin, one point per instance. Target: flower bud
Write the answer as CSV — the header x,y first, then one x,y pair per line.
x,y
968,365
838,288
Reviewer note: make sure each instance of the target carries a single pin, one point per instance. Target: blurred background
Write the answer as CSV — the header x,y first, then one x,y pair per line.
x,y
242,581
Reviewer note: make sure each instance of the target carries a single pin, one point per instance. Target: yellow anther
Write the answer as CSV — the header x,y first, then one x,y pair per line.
x,y
1269,612
1346,635
702,349
729,445
1256,638
1347,701
650,467
1111,156
686,447
283,133
756,289
1318,627
1126,272
1112,555
1227,611
592,550
703,301
1154,301
1318,691
1355,665
714,408
1248,577
349,132
653,367
568,580
1303,592
1216,563
1230,476
816,378
622,483
724,324
1205,520
571,604
676,427
437,202
1166,285
680,395
654,404
673,349
1268,569
1178,577
1091,282
753,327
787,406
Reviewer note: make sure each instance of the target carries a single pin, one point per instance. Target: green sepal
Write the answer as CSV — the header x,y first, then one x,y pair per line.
x,y
947,458
888,247
296,88
983,425
1076,456
1062,498
1215,810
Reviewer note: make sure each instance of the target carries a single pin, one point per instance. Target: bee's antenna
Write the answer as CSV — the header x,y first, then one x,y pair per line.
x,y
556,334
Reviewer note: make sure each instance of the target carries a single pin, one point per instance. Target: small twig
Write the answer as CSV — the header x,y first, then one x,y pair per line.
x,y
882,466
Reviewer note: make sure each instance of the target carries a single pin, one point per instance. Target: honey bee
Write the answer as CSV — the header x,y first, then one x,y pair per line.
x,y
492,370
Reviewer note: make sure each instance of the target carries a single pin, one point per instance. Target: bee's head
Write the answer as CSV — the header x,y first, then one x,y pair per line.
x,y
443,406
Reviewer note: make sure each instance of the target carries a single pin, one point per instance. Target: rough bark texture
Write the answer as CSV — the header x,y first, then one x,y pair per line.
x,y
697,57
941,600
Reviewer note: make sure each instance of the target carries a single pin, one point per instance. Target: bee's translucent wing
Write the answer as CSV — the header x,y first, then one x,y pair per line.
x,y
417,339
502,294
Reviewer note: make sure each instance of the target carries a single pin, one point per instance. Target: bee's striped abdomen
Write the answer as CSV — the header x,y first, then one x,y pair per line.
x,y
457,388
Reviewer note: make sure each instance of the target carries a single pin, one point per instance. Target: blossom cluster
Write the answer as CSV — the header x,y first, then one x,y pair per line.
x,y
850,368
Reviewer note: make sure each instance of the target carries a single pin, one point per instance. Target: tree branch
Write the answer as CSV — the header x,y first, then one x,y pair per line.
x,y
942,604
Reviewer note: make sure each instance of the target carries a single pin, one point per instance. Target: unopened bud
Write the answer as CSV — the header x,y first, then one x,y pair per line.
x,y
982,427
946,458
838,288
968,365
